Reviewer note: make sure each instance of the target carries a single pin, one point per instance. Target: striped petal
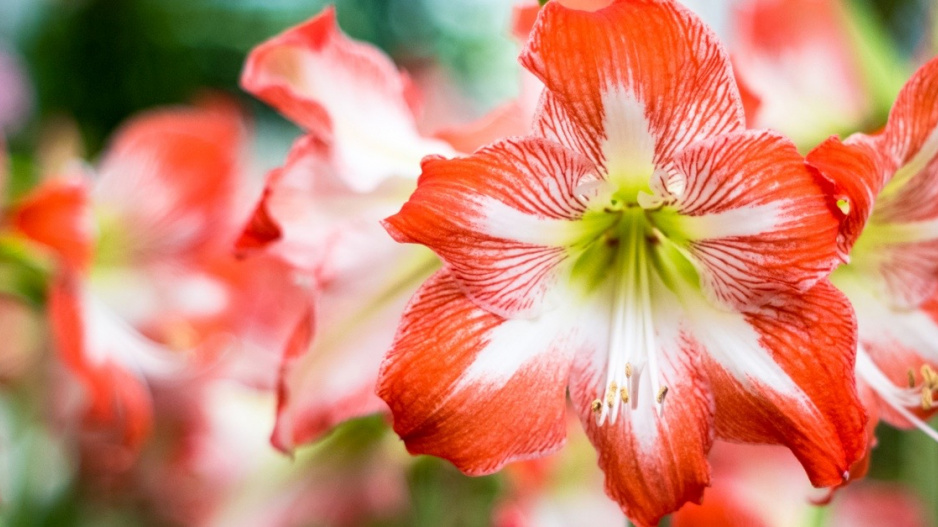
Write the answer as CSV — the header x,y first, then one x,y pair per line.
x,y
654,455
631,65
472,387
751,215
346,93
501,219
783,373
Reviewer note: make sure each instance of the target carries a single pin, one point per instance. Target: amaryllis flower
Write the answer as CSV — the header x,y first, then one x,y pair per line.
x,y
645,251
321,211
147,284
886,185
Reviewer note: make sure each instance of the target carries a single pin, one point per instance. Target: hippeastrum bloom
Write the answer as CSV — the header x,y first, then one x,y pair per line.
x,y
146,283
321,211
643,250
886,185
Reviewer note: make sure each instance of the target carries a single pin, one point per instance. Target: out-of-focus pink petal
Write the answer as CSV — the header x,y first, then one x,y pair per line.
x,y
345,93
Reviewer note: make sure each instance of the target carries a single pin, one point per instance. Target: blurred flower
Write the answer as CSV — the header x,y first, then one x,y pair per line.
x,y
146,285
763,486
321,212
886,185
645,251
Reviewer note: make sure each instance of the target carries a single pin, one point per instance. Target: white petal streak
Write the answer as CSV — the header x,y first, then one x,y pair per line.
x,y
744,221
731,341
503,221
629,149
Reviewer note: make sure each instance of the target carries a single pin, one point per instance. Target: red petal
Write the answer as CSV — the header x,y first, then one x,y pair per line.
x,y
472,387
753,216
118,401
653,463
499,218
856,172
811,338
171,177
346,93
57,214
656,54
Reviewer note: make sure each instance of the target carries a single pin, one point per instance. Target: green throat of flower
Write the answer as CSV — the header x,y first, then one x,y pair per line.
x,y
632,250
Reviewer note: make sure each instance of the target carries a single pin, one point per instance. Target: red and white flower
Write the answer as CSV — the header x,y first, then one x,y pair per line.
x,y
887,186
321,211
643,250
147,285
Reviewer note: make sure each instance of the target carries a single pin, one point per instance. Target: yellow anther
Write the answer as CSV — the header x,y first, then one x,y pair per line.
x,y
596,406
927,401
931,378
661,394
911,374
624,395
628,370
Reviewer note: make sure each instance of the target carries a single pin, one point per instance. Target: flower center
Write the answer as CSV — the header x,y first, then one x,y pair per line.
x,y
631,254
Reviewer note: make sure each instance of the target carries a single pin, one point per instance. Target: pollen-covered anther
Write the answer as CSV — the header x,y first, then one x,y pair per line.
x,y
930,377
611,394
596,406
628,370
911,374
928,400
624,395
662,393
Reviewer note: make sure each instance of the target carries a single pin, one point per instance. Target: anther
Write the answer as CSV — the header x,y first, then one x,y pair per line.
x,y
596,406
628,370
911,374
624,395
661,394
927,401
931,378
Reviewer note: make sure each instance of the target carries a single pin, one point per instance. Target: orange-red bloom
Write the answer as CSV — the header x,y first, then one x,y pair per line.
x,y
644,251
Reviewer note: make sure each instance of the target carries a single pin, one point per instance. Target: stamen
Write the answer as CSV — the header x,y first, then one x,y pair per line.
x,y
661,394
911,374
624,395
628,370
899,399
596,406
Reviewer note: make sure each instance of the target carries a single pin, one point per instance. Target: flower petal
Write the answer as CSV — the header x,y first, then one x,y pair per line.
x,y
170,177
898,342
501,219
57,214
118,402
330,378
654,462
752,216
783,373
471,387
344,92
856,172
647,59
